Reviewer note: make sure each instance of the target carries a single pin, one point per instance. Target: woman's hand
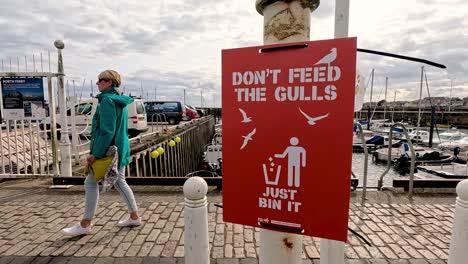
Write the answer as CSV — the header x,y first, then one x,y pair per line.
x,y
90,159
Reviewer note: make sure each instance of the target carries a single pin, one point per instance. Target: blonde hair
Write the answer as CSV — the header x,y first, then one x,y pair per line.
x,y
112,76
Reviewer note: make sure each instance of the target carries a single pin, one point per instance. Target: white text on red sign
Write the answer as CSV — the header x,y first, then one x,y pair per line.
x,y
308,75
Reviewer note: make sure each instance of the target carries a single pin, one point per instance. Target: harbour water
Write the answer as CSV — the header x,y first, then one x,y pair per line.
x,y
374,171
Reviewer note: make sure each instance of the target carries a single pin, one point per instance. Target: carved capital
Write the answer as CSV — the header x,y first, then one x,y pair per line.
x,y
260,5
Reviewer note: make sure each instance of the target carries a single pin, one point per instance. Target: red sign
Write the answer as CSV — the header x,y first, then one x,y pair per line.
x,y
287,136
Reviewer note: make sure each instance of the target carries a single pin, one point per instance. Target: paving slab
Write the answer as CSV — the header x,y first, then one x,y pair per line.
x,y
401,230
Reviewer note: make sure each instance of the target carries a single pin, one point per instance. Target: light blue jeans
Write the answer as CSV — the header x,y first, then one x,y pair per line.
x,y
92,194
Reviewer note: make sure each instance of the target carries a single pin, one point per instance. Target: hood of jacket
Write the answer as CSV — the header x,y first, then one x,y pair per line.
x,y
114,94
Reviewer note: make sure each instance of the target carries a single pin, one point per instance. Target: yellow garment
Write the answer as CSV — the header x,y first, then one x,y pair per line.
x,y
99,167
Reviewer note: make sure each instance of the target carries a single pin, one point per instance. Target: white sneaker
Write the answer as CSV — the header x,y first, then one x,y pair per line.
x,y
77,230
129,222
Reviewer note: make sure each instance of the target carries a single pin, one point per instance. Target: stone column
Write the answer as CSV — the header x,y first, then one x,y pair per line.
x,y
284,21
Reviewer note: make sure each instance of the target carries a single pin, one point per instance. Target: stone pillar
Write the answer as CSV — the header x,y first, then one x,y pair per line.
x,y
284,21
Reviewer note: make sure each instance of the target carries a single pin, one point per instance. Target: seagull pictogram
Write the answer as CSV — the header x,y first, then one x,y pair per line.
x,y
247,138
244,116
312,120
330,57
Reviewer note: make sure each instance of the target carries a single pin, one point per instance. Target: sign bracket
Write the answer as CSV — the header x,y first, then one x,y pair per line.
x,y
282,228
294,46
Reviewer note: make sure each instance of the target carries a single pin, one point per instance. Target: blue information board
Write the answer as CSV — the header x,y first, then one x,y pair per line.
x,y
23,98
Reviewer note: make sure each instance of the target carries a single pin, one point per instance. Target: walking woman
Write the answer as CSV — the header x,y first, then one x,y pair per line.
x,y
109,127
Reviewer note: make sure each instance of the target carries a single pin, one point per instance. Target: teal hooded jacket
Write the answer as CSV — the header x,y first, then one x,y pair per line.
x,y
109,125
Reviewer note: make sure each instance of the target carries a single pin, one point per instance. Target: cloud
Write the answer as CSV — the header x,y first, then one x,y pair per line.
x,y
175,45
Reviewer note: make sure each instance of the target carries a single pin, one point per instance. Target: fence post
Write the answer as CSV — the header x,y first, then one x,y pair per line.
x,y
196,242
277,247
458,253
65,145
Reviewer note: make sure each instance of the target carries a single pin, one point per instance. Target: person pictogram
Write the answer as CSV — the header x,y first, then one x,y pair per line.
x,y
296,160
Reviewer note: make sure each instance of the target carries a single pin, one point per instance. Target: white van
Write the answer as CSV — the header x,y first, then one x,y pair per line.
x,y
85,109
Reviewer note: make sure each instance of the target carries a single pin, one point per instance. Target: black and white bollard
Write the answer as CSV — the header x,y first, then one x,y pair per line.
x,y
458,253
196,242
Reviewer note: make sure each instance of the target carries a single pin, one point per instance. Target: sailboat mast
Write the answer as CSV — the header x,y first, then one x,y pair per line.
x,y
394,105
450,96
419,103
385,103
370,103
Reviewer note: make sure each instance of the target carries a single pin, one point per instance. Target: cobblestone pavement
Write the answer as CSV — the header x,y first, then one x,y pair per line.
x,y
31,220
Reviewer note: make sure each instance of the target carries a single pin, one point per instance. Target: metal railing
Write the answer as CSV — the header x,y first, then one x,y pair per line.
x,y
24,150
366,155
413,157
159,120
178,160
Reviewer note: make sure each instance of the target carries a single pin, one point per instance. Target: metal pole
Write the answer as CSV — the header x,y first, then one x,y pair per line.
x,y
196,247
42,66
332,251
65,145
394,105
459,241
341,18
276,247
450,97
370,103
419,103
431,128
385,103
141,89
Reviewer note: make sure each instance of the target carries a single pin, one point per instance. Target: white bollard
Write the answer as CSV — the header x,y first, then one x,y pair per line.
x,y
458,253
196,242
280,248
331,251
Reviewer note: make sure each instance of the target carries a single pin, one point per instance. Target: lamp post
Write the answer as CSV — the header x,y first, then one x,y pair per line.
x,y
65,145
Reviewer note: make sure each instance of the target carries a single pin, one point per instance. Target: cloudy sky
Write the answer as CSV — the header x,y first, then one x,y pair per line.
x,y
167,46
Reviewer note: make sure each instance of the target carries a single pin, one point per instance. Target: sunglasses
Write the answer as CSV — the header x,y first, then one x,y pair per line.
x,y
105,80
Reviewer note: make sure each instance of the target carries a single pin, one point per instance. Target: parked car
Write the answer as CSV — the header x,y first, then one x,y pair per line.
x,y
200,112
171,111
191,112
85,109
